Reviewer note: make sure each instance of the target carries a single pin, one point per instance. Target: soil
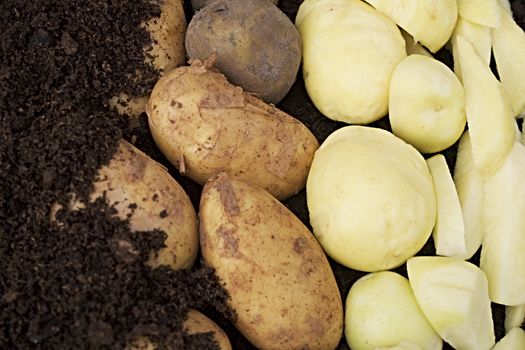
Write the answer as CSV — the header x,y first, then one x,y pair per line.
x,y
69,286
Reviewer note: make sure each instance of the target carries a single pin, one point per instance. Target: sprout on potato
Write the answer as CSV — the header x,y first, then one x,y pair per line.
x,y
427,104
371,198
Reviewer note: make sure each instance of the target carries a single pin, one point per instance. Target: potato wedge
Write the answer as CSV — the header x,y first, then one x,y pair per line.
x,y
279,280
204,125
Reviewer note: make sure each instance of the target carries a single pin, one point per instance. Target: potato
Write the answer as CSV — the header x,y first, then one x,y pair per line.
x,y
484,12
514,340
133,179
349,53
278,278
165,52
204,126
195,323
381,311
514,316
256,45
196,5
427,104
371,198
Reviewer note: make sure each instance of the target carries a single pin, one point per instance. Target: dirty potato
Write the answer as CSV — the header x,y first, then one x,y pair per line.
x,y
204,125
278,278
257,46
165,52
142,189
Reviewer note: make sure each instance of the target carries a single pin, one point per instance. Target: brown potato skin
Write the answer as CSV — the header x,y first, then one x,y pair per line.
x,y
256,45
165,53
196,5
131,177
279,279
205,125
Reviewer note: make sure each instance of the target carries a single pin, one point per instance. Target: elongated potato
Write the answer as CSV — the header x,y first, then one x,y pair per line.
x,y
165,52
279,279
142,189
204,126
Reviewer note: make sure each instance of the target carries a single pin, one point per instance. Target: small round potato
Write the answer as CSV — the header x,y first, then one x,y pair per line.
x,y
256,45
142,189
381,311
205,125
371,198
278,277
165,52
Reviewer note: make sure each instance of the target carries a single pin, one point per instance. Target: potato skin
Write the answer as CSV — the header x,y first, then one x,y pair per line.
x,y
131,177
196,5
278,278
199,323
204,126
249,51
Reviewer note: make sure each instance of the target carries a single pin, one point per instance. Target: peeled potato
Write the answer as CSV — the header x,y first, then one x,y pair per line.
x,y
427,104
165,52
514,340
142,189
430,22
449,232
412,47
349,53
454,297
371,198
484,12
514,316
381,311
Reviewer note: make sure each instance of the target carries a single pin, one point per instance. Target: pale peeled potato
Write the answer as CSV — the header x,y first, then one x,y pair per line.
x,y
195,323
430,22
508,42
489,113
280,282
478,35
165,52
349,53
204,125
453,295
381,311
427,104
371,198
502,256
413,47
142,189
484,12
449,232
514,316
514,340
471,189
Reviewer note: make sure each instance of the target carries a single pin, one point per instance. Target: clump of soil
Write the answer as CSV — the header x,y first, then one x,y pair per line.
x,y
73,286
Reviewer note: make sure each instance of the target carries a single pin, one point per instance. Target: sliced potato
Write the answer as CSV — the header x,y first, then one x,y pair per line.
x,y
449,232
508,43
514,340
453,295
349,53
478,35
489,114
470,187
430,22
514,316
502,256
484,12
427,104
381,310
367,186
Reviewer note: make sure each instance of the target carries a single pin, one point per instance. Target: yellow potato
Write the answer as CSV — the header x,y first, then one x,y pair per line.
x,y
278,278
195,323
165,52
132,178
204,125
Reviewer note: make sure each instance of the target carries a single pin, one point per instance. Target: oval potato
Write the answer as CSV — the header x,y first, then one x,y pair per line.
x,y
165,52
196,5
141,189
278,278
256,44
204,125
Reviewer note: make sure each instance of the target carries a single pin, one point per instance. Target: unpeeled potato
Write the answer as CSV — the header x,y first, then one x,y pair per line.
x,y
204,125
279,280
165,52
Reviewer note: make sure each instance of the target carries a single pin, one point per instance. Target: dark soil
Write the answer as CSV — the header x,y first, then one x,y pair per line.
x,y
68,286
